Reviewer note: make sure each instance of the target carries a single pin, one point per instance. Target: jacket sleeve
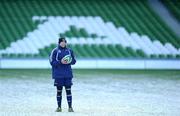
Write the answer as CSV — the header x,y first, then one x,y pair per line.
x,y
53,60
73,58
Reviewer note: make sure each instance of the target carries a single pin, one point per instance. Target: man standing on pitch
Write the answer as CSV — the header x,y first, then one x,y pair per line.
x,y
61,59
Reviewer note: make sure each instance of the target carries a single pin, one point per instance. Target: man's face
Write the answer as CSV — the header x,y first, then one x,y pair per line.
x,y
63,43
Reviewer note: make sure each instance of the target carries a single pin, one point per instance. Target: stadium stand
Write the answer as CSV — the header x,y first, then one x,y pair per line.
x,y
173,6
94,29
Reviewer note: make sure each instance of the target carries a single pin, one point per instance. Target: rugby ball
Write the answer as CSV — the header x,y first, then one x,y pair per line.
x,y
67,59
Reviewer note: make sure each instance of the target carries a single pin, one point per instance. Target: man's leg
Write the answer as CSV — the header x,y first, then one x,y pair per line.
x,y
59,98
69,97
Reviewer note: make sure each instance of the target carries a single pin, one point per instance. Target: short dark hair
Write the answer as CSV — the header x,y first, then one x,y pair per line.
x,y
61,39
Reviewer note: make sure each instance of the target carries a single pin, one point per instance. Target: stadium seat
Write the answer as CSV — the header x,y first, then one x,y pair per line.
x,y
113,29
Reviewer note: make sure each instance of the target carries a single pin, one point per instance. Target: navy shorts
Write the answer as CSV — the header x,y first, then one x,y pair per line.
x,y
63,82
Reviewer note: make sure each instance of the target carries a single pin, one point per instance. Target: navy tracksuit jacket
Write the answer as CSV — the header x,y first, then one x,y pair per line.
x,y
60,70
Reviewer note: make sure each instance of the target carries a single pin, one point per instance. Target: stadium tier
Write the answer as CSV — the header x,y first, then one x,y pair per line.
x,y
173,6
94,29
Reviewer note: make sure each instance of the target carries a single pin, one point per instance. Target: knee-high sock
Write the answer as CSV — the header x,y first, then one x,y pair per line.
x,y
59,96
69,96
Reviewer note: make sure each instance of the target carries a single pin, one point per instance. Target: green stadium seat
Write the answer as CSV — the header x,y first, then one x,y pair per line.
x,y
135,16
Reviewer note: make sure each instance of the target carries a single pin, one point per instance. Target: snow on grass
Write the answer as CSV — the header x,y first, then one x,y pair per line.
x,y
93,95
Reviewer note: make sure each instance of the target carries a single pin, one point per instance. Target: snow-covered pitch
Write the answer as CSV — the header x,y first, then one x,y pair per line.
x,y
95,93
